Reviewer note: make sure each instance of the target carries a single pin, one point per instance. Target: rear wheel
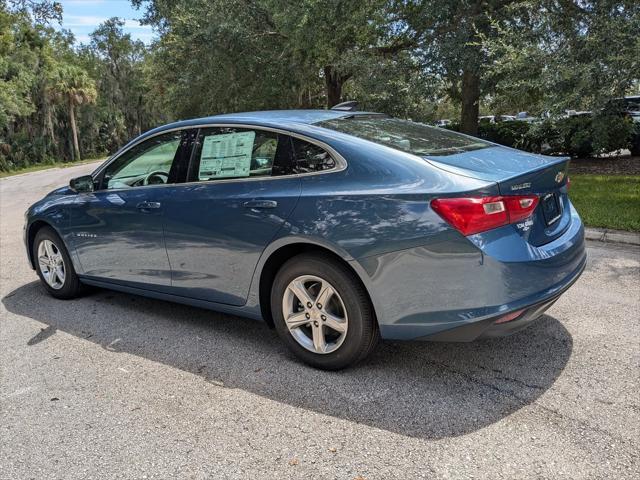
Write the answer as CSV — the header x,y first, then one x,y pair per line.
x,y
322,312
54,266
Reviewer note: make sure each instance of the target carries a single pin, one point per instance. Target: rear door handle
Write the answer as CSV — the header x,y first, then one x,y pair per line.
x,y
260,204
148,205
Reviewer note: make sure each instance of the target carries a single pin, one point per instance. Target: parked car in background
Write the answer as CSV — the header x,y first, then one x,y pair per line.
x,y
443,123
629,106
577,113
496,118
335,227
525,117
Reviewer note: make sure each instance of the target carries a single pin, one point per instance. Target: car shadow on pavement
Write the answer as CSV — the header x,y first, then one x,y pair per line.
x,y
426,390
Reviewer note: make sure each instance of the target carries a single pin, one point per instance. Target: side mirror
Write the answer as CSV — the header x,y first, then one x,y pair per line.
x,y
82,184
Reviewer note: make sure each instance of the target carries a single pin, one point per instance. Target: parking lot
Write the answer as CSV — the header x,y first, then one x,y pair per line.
x,y
118,386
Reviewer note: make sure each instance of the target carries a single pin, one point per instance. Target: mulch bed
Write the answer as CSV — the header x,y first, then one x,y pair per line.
x,y
625,165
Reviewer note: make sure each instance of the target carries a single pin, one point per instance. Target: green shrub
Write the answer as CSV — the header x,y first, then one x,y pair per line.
x,y
577,136
542,137
611,133
22,152
504,133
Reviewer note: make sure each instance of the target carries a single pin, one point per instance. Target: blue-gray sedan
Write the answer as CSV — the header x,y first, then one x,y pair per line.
x,y
335,227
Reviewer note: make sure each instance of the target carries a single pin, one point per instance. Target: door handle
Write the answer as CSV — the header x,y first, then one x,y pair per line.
x,y
260,204
148,205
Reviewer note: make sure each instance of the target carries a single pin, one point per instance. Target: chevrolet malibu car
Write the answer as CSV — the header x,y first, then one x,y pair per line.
x,y
335,227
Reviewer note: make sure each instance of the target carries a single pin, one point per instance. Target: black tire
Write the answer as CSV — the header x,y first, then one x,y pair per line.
x,y
71,287
362,334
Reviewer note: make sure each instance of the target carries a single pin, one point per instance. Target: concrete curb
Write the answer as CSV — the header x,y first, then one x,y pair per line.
x,y
612,236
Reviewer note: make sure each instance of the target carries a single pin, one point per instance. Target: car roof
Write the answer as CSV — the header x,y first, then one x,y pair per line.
x,y
268,117
293,120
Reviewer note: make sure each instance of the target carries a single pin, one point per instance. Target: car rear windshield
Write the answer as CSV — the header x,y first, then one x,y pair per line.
x,y
404,135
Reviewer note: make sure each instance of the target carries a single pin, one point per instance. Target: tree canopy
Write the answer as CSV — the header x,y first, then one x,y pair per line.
x,y
418,59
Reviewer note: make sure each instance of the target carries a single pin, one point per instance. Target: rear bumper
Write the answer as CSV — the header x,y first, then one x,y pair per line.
x,y
455,290
488,328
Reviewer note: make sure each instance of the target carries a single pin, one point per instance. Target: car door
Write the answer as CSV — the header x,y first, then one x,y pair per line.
x,y
242,188
118,233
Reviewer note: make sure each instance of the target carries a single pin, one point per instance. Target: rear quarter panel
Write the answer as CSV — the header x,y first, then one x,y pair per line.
x,y
379,203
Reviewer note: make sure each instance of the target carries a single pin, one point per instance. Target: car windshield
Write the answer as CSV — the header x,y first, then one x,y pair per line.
x,y
404,135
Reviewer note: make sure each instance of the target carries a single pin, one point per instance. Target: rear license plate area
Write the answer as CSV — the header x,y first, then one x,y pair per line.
x,y
551,208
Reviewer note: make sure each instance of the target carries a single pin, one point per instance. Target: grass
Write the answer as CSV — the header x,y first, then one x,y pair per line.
x,y
607,201
46,166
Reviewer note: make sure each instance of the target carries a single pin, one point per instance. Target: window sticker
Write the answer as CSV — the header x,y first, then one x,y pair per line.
x,y
226,156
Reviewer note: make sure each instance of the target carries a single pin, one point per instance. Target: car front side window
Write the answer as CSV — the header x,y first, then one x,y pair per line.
x,y
148,163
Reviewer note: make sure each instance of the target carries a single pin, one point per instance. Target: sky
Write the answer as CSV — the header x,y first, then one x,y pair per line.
x,y
83,16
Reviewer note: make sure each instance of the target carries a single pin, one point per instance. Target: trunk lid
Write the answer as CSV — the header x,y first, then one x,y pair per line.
x,y
520,173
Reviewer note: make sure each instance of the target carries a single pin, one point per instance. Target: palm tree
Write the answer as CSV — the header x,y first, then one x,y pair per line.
x,y
72,85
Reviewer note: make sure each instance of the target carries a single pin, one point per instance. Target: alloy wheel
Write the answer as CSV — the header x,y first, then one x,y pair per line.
x,y
315,314
51,264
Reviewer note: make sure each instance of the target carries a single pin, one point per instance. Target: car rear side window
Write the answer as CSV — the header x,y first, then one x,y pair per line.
x,y
410,137
311,158
233,152
229,152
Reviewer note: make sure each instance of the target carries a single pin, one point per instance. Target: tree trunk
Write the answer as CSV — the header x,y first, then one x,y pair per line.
x,y
74,130
139,115
49,120
333,82
470,101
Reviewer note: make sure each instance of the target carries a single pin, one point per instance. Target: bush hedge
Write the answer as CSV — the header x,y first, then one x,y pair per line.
x,y
577,136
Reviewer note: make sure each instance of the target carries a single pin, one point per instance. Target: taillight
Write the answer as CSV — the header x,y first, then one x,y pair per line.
x,y
472,215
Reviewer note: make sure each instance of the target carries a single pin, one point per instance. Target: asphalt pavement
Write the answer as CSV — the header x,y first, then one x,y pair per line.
x,y
117,386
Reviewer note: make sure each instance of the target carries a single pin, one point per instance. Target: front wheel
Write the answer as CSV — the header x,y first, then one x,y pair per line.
x,y
54,266
322,312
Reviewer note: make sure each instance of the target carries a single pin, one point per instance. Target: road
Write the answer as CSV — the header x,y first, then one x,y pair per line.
x,y
117,386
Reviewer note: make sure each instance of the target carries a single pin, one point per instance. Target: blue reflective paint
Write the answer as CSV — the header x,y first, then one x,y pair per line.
x,y
207,247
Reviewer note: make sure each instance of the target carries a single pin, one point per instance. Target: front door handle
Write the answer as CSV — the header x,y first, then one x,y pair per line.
x,y
260,204
148,206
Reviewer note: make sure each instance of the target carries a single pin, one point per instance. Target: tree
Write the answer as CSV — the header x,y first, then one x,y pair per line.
x,y
450,36
42,11
73,85
219,55
268,53
527,54
51,88
337,38
416,59
562,54
17,61
120,61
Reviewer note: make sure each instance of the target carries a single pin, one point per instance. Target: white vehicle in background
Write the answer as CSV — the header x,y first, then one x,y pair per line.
x,y
496,118
443,123
577,113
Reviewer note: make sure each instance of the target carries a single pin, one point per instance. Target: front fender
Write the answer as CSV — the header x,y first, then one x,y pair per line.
x,y
51,211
